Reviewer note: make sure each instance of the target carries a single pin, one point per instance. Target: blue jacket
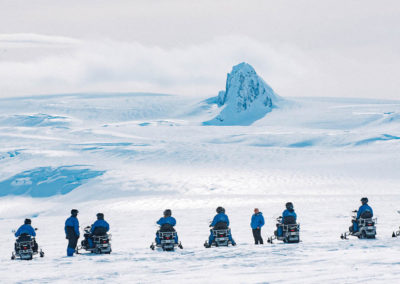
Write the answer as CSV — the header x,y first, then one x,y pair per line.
x,y
100,223
364,208
72,222
26,229
168,220
257,221
288,213
220,217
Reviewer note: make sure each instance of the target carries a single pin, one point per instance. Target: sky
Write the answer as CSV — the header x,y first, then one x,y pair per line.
x,y
300,48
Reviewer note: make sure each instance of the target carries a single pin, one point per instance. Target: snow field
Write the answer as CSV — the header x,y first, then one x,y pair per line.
x,y
323,155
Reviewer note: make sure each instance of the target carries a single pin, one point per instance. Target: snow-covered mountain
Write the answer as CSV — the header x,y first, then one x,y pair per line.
x,y
246,98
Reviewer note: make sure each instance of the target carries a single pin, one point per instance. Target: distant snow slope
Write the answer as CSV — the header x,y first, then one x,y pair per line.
x,y
246,98
131,156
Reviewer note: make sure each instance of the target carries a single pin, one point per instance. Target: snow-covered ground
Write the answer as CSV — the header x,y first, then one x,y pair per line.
x,y
131,156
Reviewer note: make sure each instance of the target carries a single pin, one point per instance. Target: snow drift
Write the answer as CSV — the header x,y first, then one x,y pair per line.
x,y
247,98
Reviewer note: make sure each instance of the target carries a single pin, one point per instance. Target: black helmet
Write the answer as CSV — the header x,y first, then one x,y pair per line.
x,y
167,212
74,212
364,200
27,222
220,209
100,216
289,206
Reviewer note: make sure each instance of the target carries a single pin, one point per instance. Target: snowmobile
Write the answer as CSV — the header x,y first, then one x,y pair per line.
x,y
167,235
100,241
366,226
396,233
290,231
26,247
221,238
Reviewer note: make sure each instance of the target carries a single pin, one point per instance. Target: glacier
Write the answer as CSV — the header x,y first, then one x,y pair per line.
x,y
322,154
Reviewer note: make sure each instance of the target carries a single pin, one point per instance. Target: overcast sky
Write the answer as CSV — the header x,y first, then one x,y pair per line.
x,y
348,48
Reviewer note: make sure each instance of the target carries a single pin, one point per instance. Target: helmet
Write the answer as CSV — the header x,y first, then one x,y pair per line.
x,y
100,216
28,221
289,206
167,212
74,212
364,200
220,209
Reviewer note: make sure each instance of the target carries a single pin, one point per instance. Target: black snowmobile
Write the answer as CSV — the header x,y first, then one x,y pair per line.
x,y
25,248
167,235
396,233
290,231
101,241
221,234
366,226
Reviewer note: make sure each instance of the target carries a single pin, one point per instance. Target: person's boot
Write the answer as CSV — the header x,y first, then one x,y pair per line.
x,y
70,251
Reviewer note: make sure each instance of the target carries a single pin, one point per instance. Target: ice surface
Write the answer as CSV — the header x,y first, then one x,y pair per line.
x,y
47,181
154,153
34,120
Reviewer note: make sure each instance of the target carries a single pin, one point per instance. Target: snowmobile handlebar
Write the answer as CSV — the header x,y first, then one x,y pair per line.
x,y
87,229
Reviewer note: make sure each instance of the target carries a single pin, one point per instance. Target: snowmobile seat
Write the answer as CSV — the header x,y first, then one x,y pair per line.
x,y
221,226
289,220
366,215
100,231
24,238
167,228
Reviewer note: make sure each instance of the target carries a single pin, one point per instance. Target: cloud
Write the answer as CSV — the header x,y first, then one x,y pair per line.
x,y
22,40
116,66
41,64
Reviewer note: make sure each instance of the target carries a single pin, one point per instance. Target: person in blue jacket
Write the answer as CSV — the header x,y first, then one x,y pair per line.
x,y
72,232
99,228
288,217
220,221
257,221
365,211
27,231
167,224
